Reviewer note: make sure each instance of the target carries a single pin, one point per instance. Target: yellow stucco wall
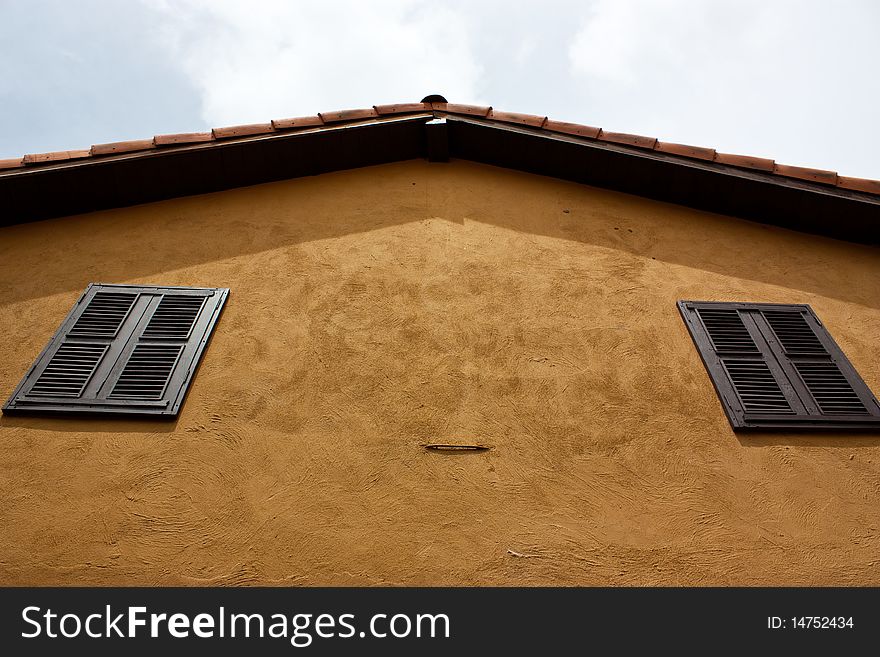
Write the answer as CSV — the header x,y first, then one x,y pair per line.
x,y
375,310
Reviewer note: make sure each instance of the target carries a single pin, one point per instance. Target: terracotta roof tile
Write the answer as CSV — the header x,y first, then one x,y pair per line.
x,y
348,115
242,130
56,156
747,161
401,108
182,138
806,173
514,117
472,110
630,140
298,122
697,152
11,163
572,128
122,147
859,184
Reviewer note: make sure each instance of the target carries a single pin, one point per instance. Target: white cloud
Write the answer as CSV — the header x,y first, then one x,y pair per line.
x,y
259,60
779,78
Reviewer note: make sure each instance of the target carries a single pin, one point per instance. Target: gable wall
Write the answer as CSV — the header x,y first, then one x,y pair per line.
x,y
375,310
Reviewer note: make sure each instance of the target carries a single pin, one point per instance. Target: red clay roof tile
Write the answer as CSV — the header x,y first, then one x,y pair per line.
x,y
806,173
122,147
11,163
630,140
401,108
572,128
859,184
697,152
747,161
297,122
55,156
455,108
348,115
183,138
514,117
242,130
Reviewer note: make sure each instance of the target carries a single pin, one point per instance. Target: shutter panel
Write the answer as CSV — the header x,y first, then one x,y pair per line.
x,y
741,365
757,388
69,370
775,366
103,315
123,349
146,373
174,317
830,390
793,333
727,331
813,363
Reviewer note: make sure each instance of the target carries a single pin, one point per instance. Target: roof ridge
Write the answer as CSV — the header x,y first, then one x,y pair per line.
x,y
544,123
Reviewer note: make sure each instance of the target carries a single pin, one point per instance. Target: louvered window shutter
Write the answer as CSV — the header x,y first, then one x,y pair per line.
x,y
775,366
122,350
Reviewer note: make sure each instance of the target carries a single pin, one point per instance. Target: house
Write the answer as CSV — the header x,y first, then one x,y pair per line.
x,y
436,344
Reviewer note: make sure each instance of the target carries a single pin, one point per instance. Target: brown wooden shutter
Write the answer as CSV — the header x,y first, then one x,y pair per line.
x,y
775,366
122,349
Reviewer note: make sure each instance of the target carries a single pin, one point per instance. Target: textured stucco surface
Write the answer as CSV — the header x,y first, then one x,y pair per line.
x,y
375,310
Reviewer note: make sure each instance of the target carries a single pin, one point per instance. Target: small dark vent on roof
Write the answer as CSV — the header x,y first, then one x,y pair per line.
x,y
434,98
756,386
829,387
103,316
69,371
147,372
727,331
794,333
174,318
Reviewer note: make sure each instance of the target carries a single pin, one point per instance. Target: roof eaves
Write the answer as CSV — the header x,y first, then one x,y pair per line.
x,y
326,120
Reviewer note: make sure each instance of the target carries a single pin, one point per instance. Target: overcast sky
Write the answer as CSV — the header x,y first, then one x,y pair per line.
x,y
793,80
